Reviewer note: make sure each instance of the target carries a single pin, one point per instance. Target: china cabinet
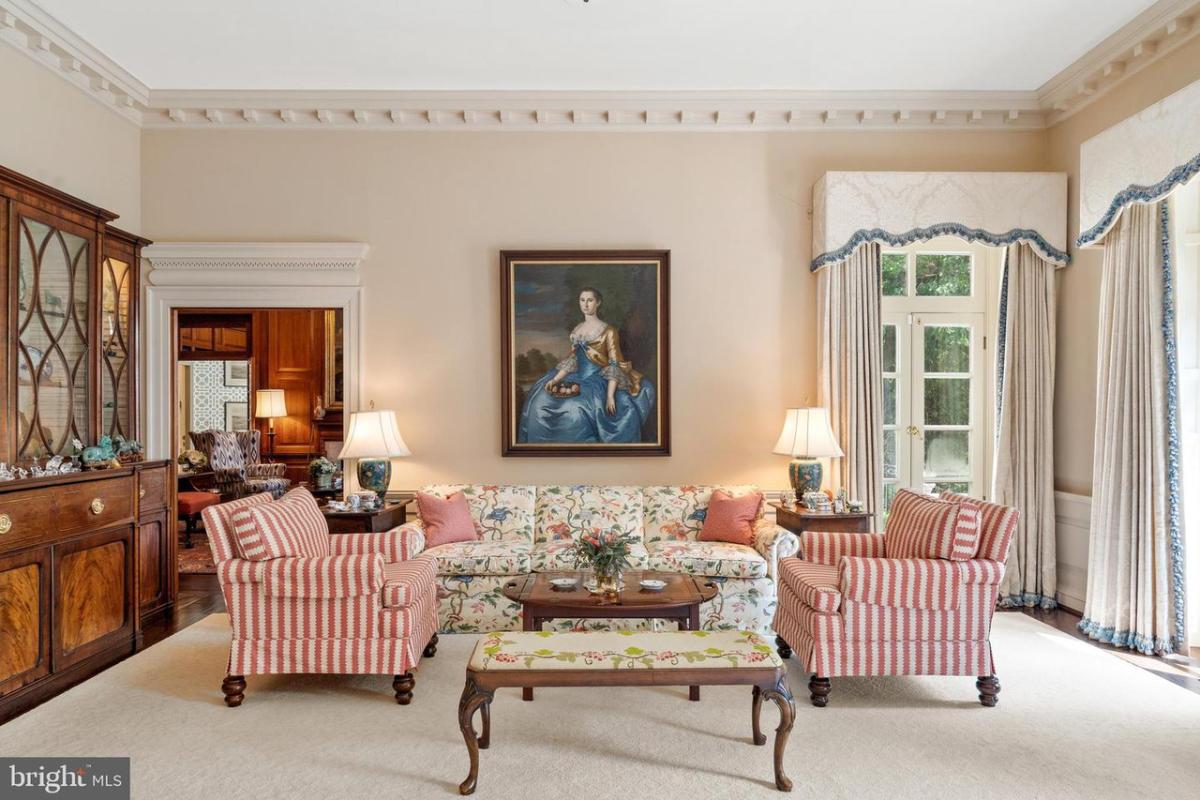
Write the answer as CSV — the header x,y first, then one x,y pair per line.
x,y
84,556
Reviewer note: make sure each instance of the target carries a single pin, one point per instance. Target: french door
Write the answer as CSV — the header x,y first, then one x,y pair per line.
x,y
934,379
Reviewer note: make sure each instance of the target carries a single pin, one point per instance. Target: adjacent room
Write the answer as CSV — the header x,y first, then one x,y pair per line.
x,y
722,398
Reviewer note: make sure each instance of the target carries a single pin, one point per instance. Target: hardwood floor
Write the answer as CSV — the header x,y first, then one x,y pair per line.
x,y
199,596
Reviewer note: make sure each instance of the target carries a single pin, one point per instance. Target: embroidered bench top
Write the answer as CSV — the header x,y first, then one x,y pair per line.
x,y
546,650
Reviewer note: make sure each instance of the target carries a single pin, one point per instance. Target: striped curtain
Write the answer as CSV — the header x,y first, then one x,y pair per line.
x,y
851,386
1023,474
1135,592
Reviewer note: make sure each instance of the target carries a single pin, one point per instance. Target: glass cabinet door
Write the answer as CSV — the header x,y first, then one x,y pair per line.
x,y
52,338
115,399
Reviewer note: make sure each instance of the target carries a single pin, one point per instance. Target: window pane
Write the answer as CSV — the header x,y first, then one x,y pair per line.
x,y
889,494
947,454
889,401
947,401
894,274
941,275
947,348
960,487
890,471
889,348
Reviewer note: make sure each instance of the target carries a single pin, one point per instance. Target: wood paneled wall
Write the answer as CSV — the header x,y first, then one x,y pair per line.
x,y
289,354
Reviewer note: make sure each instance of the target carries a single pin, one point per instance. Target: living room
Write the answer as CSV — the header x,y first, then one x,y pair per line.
x,y
592,263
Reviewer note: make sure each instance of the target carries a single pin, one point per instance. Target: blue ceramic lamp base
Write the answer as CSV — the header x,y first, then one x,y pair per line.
x,y
374,475
805,476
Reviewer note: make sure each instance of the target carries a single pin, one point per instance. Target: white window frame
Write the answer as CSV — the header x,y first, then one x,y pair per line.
x,y
983,307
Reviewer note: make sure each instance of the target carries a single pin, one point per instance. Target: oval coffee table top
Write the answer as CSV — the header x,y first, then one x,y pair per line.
x,y
681,590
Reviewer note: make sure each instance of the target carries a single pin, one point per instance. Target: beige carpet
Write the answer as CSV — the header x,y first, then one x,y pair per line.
x,y
1073,721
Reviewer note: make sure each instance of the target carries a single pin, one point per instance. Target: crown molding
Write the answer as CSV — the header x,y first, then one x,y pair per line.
x,y
254,263
1148,37
642,110
1145,39
38,35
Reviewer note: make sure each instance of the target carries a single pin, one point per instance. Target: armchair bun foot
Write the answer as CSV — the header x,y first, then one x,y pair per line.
x,y
818,691
430,649
989,690
785,649
403,684
234,687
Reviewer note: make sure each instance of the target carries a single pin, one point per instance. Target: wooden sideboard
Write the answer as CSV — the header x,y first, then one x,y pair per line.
x,y
84,558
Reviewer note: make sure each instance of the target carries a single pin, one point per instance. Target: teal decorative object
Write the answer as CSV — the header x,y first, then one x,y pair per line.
x,y
374,475
805,476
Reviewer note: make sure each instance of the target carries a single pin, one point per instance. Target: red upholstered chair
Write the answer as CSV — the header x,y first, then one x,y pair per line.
x,y
357,603
190,505
846,607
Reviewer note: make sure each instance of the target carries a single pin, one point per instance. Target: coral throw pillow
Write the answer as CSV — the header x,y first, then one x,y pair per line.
x,y
921,526
446,519
731,519
291,526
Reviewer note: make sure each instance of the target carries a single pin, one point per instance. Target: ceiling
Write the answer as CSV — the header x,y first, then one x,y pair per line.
x,y
620,45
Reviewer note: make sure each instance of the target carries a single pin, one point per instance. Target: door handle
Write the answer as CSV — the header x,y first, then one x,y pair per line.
x,y
913,430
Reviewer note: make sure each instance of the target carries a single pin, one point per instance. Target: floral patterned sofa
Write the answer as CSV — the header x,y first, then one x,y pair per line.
x,y
526,529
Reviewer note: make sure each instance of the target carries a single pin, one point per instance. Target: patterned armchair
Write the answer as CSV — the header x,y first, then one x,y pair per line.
x,y
233,456
357,603
867,604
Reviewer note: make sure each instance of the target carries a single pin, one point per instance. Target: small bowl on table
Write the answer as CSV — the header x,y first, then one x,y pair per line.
x,y
563,584
653,584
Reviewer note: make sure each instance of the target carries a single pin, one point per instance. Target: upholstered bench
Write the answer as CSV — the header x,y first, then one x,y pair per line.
x,y
683,658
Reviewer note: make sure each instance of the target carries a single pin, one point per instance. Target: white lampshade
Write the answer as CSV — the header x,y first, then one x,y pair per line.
x,y
374,434
807,434
269,403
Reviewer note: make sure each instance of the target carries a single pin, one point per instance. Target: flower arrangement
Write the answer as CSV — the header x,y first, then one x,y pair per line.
x,y
192,460
607,554
322,471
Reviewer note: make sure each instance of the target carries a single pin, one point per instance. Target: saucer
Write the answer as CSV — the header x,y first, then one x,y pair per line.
x,y
653,585
562,584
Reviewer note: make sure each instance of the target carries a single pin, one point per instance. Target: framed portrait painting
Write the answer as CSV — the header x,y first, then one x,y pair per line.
x,y
585,348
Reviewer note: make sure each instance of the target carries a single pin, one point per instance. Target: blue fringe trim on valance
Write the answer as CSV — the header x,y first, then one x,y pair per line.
x,y
1027,600
1143,644
1035,240
1139,194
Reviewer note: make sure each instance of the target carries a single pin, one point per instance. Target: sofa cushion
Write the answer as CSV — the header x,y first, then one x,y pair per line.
x,y
218,522
731,519
290,526
565,512
922,526
482,558
500,513
815,584
556,556
446,519
716,559
676,513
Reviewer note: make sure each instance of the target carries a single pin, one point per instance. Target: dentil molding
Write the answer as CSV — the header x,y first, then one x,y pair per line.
x,y
252,263
1148,37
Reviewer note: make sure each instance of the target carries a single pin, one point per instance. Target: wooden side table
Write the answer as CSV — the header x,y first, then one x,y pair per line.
x,y
797,519
391,515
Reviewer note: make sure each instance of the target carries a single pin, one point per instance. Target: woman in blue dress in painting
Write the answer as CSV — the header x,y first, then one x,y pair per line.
x,y
613,399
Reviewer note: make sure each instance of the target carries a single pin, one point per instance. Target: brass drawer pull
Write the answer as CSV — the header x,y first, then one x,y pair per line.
x,y
5,523
97,506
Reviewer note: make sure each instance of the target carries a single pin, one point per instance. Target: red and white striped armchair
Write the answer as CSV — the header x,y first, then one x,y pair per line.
x,y
915,600
303,601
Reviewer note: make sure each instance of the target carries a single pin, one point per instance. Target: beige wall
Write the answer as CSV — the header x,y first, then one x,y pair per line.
x,y
437,208
53,132
1079,287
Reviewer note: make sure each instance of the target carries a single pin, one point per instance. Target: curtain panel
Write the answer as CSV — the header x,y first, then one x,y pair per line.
x,y
1135,592
849,321
1023,473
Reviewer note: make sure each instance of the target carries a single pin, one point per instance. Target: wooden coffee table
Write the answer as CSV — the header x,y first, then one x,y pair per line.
x,y
680,600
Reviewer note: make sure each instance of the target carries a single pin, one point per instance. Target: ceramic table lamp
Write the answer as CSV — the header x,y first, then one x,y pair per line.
x,y
374,439
269,405
806,437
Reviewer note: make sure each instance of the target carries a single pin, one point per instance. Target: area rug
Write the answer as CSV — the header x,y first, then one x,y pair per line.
x,y
197,559
1073,721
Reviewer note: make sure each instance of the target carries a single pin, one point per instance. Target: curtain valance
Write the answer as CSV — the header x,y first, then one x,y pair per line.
x,y
1139,160
898,208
